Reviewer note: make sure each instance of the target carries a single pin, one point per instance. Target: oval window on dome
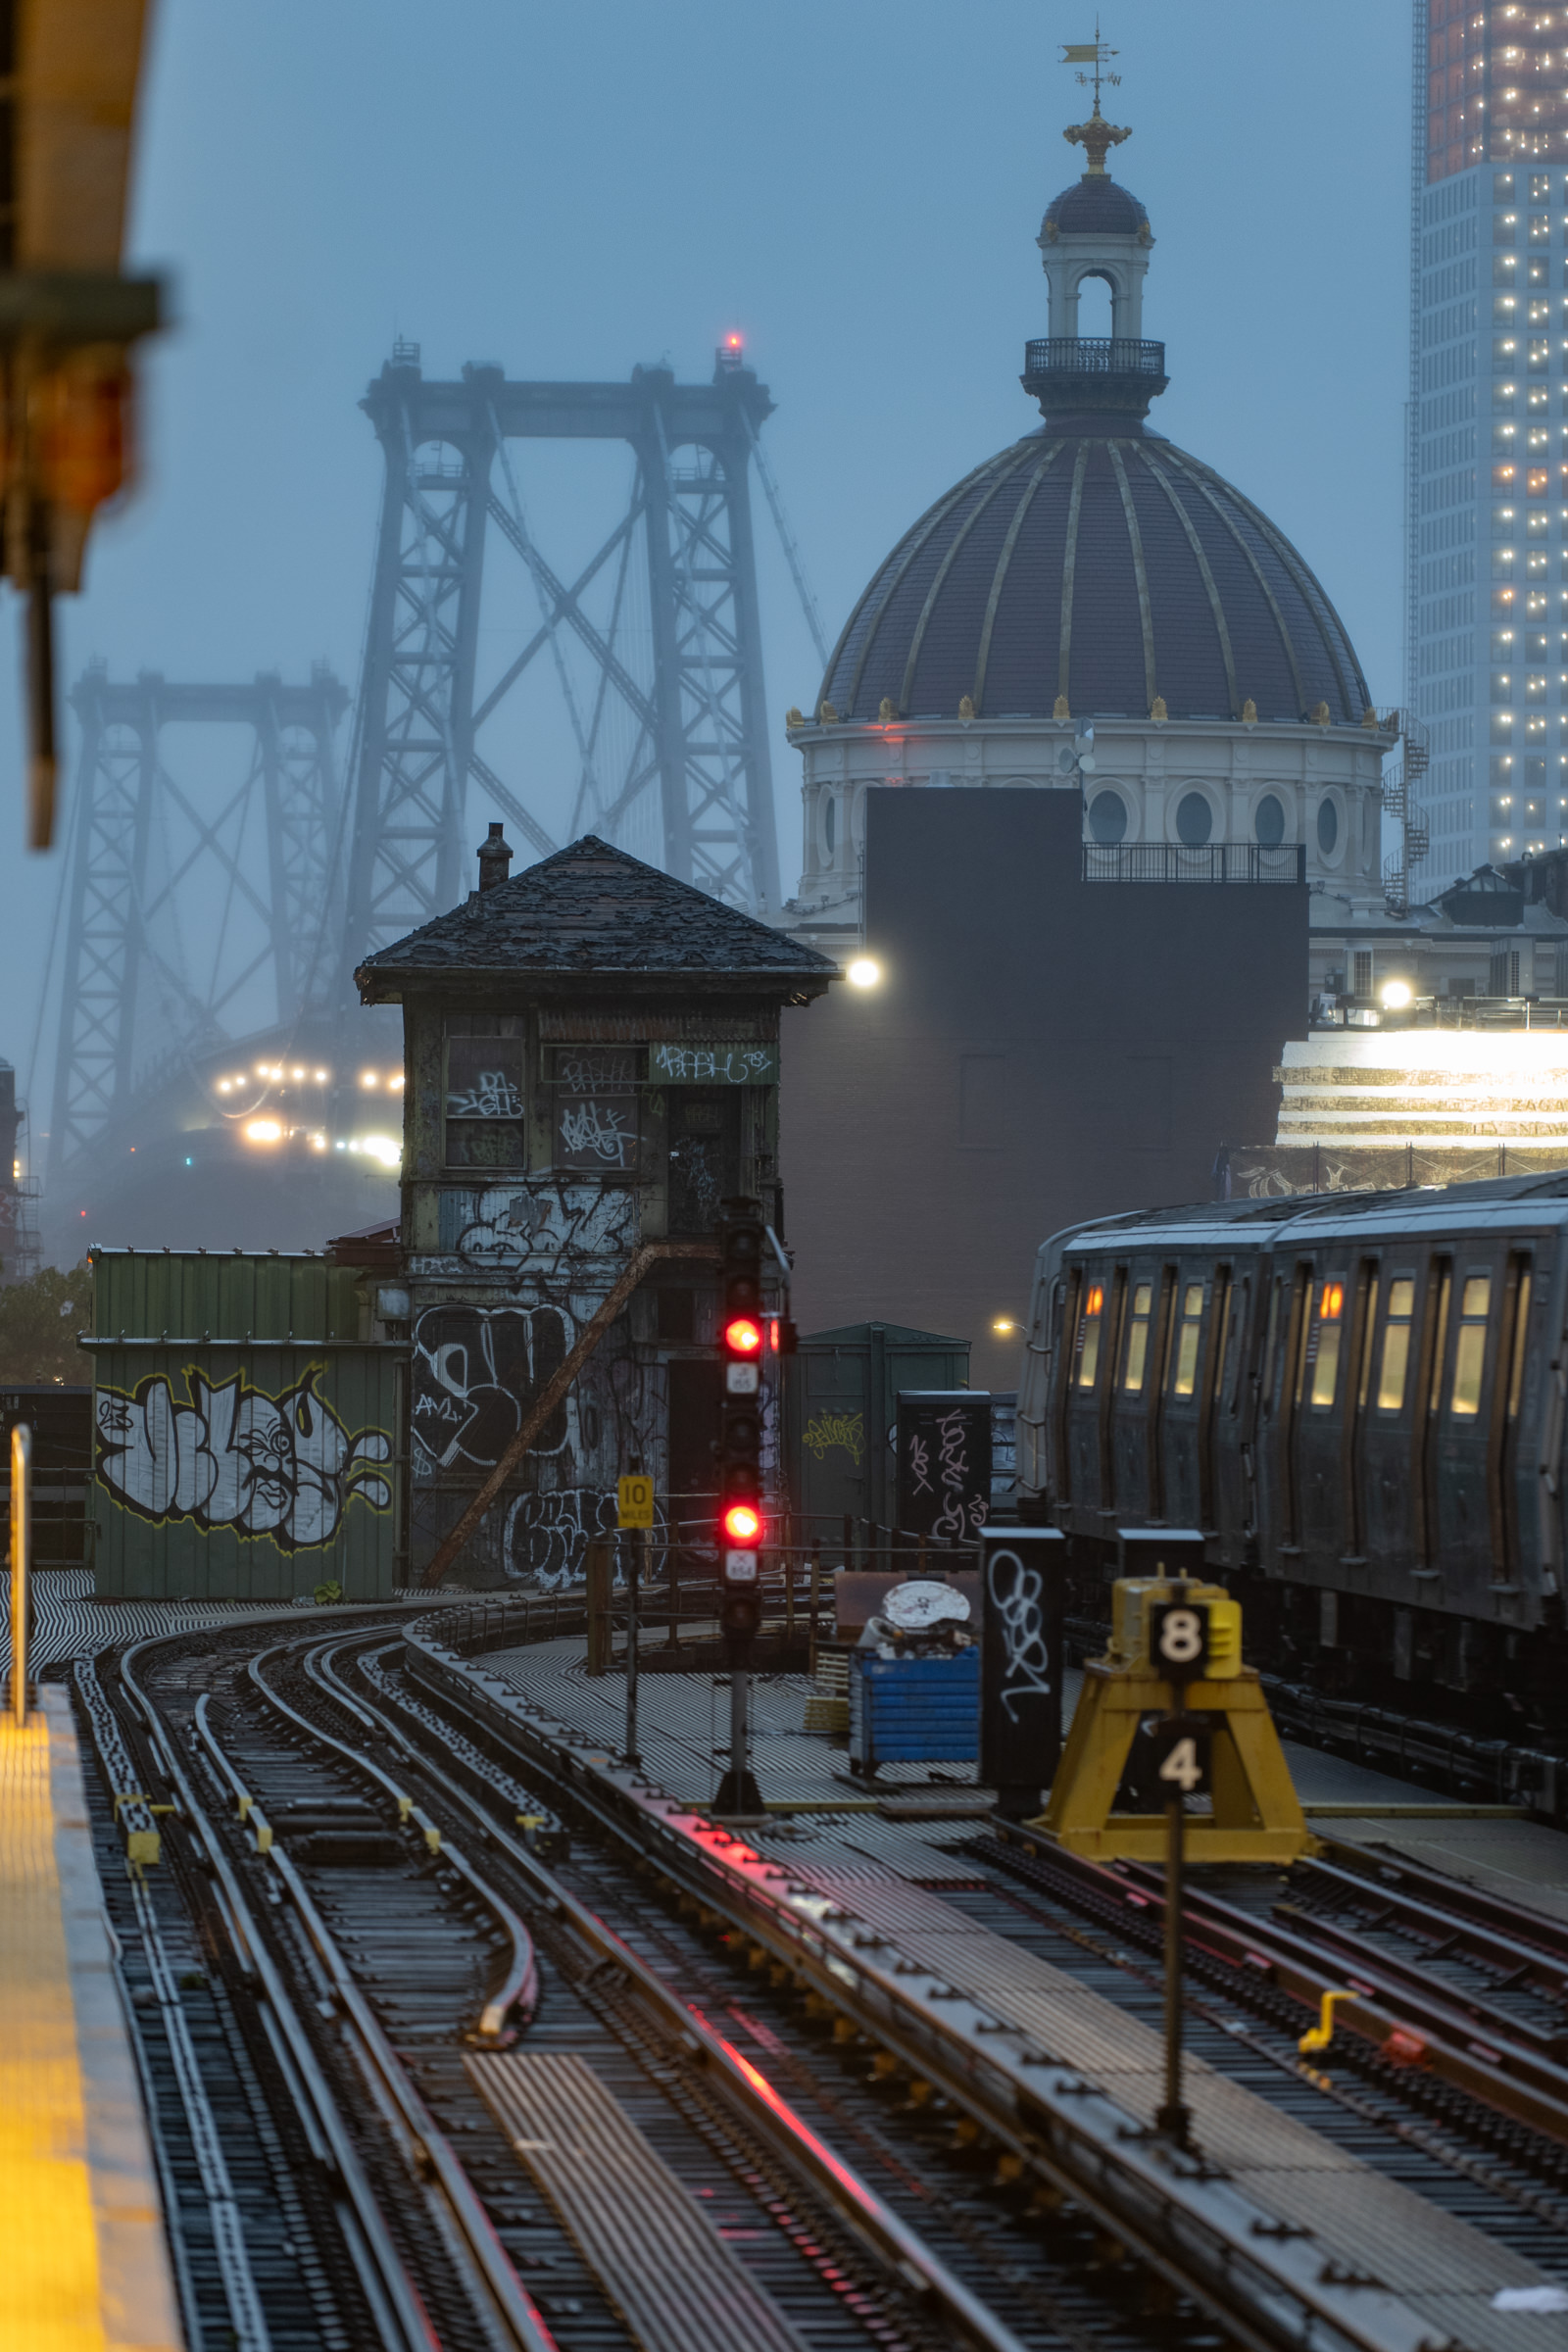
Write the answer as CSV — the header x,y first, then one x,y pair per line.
x,y
830,822
1194,820
1328,827
1107,818
1268,821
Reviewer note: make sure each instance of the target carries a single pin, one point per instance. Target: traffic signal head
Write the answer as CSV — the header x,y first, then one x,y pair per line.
x,y
743,1336
743,1523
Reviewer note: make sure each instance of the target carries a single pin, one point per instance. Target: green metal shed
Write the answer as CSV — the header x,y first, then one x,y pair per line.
x,y
246,1439
840,1405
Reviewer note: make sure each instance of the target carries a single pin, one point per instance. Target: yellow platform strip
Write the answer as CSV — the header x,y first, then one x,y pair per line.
x,y
49,2287
84,2262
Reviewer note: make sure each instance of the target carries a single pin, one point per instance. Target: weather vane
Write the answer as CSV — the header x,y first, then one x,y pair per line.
x,y
1094,53
1096,136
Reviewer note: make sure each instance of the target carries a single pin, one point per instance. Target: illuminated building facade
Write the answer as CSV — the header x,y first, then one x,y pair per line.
x,y
1488,510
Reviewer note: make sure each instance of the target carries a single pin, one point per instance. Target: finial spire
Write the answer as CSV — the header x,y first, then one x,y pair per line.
x,y
1096,136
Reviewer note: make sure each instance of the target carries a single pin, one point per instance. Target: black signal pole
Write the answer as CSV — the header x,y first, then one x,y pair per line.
x,y
738,1453
1179,1646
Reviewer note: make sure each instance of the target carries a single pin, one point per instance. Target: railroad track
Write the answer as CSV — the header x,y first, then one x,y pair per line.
x,y
428,1918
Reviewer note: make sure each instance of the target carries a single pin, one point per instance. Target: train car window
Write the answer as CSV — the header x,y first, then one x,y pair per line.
x,y
1516,1369
1192,1327
1330,1332
1132,1379
1395,1363
1088,1323
1470,1347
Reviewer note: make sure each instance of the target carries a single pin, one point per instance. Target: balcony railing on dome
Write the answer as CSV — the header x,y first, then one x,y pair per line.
x,y
1093,355
1216,861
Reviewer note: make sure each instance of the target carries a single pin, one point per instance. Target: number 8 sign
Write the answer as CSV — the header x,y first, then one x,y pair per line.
x,y
1178,1639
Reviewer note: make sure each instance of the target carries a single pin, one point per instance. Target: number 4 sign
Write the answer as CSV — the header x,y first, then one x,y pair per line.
x,y
1182,1756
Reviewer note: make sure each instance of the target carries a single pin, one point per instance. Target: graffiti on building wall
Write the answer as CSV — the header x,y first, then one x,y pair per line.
x,y
476,1369
544,1229
227,1455
547,1535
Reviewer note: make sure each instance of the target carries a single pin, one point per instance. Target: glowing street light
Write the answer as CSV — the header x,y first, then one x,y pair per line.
x,y
863,972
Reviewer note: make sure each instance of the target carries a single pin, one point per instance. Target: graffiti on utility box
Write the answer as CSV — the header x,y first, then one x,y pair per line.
x,y
227,1455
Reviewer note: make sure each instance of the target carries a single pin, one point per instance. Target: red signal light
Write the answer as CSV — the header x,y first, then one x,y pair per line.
x,y
743,1336
743,1523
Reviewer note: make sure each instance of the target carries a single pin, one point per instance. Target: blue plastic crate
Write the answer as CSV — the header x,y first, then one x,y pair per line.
x,y
913,1710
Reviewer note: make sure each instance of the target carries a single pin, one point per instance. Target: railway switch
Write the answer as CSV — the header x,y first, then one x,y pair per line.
x,y
1175,1652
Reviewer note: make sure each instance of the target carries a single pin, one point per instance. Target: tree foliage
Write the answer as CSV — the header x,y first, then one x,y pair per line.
x,y
38,1325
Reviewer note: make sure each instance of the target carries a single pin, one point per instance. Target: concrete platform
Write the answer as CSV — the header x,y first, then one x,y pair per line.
x,y
84,2260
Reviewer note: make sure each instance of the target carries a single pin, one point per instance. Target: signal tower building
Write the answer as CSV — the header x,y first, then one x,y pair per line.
x,y
1487,576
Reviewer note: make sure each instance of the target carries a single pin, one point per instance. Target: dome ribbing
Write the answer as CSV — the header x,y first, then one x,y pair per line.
x,y
1111,569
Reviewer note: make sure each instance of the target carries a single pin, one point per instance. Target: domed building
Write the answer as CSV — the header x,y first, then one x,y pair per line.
x,y
1095,610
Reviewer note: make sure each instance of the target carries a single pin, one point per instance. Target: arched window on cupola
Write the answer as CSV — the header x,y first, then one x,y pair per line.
x,y
1096,299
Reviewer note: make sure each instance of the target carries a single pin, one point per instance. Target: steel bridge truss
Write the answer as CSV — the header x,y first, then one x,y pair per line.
x,y
145,984
676,707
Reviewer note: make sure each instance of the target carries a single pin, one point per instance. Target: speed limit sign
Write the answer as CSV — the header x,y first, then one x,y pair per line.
x,y
1178,1639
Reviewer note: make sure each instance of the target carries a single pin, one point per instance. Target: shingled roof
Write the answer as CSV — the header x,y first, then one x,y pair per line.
x,y
592,909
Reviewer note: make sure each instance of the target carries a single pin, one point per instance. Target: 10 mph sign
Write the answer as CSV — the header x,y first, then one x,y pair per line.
x,y
635,1500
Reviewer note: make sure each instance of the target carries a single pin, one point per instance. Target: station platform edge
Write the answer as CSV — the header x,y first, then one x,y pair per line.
x,y
84,2258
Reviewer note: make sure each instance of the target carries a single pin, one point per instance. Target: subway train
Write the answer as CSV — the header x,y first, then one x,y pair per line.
x,y
1359,1399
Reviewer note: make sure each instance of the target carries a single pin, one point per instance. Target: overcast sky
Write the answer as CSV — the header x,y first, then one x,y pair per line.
x,y
854,185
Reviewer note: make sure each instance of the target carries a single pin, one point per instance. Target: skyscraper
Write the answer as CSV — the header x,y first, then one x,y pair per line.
x,y
1488,493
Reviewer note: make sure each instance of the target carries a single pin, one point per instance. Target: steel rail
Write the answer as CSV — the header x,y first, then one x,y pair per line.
x,y
1502,1930
872,2221
1495,2060
518,1989
504,2292
1192,2226
1437,2034
233,2256
391,2294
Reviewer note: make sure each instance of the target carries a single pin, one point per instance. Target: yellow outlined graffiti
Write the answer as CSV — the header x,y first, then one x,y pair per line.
x,y
826,1431
229,1455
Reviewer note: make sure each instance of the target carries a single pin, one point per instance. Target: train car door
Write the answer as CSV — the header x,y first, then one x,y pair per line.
x,y
1464,1404
1324,1379
1295,1322
1387,1419
1187,1386
1511,1475
1139,1383
1087,1363
1229,1434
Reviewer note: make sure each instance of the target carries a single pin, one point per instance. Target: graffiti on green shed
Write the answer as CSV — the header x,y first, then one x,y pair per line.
x,y
282,1466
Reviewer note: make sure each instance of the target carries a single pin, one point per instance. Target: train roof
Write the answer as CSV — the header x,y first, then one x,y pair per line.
x,y
1511,1202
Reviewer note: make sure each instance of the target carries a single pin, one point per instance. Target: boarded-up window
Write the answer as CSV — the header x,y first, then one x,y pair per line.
x,y
593,1108
486,1099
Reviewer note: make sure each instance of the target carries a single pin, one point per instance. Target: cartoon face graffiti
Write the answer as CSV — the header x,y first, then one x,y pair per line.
x,y
230,1455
